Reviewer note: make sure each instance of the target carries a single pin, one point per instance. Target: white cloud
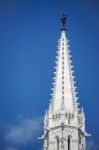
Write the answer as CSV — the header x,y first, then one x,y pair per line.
x,y
92,145
22,132
11,148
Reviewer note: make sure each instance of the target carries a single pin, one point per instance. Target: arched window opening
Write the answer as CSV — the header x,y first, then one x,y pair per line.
x,y
57,143
69,119
69,143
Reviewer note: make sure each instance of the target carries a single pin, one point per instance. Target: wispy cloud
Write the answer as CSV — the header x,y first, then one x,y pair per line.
x,y
22,132
92,145
11,148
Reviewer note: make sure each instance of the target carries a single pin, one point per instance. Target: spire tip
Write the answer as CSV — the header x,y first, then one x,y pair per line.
x,y
63,22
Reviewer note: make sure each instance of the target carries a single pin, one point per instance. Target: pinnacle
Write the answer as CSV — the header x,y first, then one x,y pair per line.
x,y
63,91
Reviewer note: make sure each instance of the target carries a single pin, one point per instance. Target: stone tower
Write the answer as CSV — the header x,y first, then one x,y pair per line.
x,y
64,122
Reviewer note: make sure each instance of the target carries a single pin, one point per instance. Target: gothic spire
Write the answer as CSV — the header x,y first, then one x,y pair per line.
x,y
64,124
64,94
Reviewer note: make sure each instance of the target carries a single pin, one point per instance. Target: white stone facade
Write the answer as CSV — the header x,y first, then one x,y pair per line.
x,y
64,122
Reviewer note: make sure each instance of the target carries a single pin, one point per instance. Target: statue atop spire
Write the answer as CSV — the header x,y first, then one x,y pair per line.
x,y
63,21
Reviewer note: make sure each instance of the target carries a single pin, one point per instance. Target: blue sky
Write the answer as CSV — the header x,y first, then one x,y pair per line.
x,y
29,31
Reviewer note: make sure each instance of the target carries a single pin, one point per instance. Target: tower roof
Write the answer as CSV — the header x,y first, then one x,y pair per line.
x,y
63,95
64,122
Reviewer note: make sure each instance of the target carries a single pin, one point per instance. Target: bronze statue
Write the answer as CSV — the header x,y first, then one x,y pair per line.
x,y
63,20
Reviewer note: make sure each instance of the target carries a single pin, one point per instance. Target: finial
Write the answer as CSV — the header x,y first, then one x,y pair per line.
x,y
63,21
